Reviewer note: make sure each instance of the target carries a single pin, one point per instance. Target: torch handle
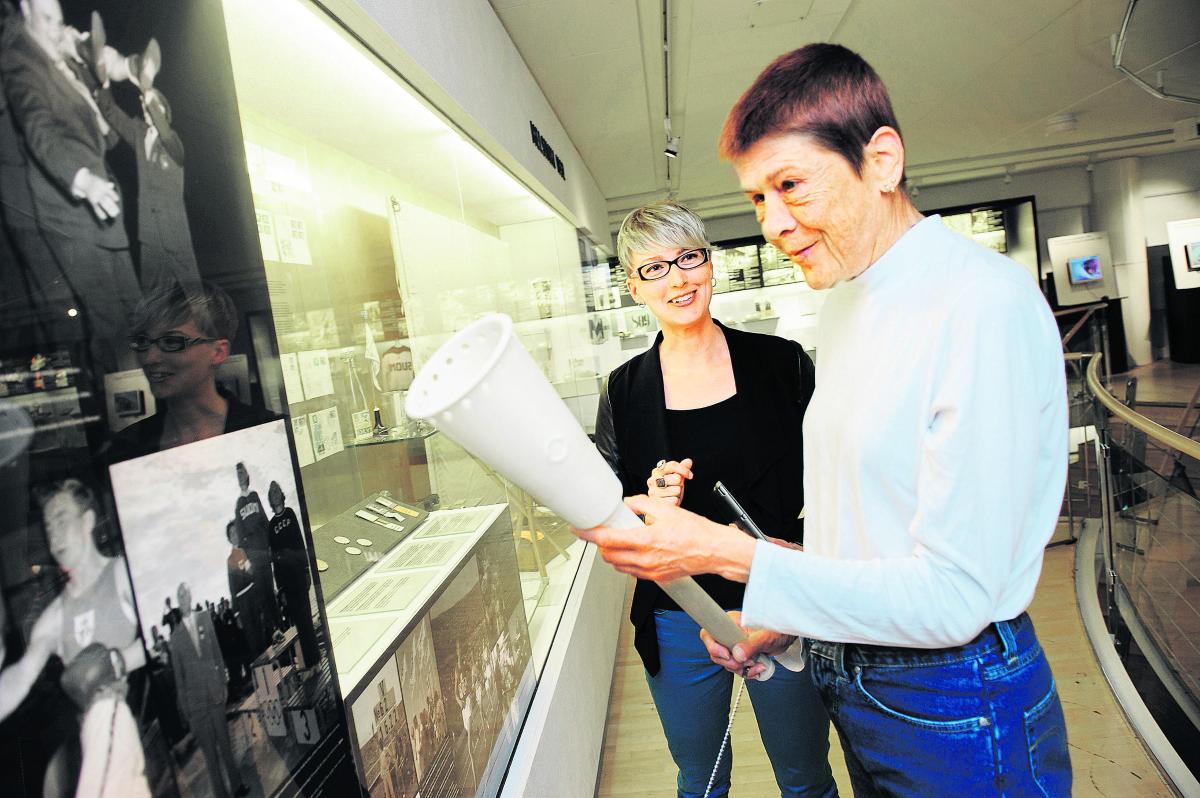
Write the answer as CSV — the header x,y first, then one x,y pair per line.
x,y
692,599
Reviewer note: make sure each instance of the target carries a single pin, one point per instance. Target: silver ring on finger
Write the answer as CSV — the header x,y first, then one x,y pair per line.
x,y
660,464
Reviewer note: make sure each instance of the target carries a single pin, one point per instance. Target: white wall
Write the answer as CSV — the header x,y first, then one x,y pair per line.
x,y
457,53
1170,191
1063,199
1157,189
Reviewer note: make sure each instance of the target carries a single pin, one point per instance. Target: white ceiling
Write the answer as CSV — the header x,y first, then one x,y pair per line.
x,y
290,80
973,82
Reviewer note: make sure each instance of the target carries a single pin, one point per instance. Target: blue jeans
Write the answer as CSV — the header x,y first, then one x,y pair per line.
x,y
692,696
979,719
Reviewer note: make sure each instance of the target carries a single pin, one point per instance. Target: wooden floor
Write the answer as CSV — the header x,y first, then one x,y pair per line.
x,y
1107,759
1163,381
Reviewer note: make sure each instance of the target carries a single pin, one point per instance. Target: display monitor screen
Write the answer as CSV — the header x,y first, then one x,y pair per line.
x,y
1084,270
1192,251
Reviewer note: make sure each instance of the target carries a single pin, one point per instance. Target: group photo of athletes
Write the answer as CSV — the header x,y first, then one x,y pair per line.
x,y
230,608
428,722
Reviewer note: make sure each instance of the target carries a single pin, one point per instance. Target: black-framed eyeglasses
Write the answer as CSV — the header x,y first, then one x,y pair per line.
x,y
658,269
171,342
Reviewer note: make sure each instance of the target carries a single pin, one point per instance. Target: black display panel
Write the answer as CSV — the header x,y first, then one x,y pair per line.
x,y
127,217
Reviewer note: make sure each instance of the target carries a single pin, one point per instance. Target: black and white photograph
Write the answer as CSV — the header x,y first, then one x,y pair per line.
x,y
483,655
381,726
70,697
423,703
221,577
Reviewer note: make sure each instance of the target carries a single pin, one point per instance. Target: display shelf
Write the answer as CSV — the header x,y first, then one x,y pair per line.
x,y
350,543
393,589
390,438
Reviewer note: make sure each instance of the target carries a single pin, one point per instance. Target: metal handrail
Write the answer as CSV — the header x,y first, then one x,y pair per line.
x,y
1088,312
1160,434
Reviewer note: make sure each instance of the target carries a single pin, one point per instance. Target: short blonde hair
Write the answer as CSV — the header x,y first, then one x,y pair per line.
x,y
659,224
207,305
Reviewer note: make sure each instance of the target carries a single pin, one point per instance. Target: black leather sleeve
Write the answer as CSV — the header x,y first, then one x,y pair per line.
x,y
606,433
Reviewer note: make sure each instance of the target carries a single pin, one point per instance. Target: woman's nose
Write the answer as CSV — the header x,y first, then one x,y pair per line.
x,y
777,220
677,278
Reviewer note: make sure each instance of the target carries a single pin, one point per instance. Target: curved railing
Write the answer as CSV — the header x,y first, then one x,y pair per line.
x,y
1166,438
1138,577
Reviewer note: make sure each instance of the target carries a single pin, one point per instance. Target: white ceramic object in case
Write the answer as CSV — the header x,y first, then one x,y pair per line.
x,y
483,390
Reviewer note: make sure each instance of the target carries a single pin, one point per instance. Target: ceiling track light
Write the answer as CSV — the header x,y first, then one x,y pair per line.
x,y
1118,48
672,148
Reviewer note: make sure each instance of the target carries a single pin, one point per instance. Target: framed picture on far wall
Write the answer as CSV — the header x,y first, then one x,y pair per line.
x,y
1192,253
130,404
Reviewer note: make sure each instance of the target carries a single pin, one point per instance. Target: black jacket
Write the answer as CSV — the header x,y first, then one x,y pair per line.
x,y
142,438
775,382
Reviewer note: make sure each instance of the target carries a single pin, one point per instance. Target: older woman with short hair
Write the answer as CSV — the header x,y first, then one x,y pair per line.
x,y
934,466
708,403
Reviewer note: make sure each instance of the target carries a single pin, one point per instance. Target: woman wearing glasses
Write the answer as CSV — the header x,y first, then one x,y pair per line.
x,y
707,404
181,337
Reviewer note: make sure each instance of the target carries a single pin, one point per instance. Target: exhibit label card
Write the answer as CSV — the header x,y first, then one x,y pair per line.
x,y
326,432
381,594
292,235
314,371
333,429
291,378
266,235
363,426
304,447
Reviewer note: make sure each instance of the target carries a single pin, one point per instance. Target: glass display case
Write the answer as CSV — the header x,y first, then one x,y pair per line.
x,y
227,553
383,231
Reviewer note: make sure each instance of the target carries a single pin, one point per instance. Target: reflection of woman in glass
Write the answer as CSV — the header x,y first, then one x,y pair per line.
x,y
181,337
290,562
708,403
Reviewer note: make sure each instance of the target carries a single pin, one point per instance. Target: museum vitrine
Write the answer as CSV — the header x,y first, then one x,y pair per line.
x,y
230,563
383,230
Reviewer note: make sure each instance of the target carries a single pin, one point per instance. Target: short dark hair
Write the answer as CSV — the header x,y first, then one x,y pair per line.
x,y
84,496
208,306
104,534
821,90
274,491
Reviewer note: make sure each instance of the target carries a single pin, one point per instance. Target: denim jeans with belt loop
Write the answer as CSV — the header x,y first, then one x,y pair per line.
x,y
979,719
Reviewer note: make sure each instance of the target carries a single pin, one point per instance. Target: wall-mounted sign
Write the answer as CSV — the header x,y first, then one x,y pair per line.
x,y
547,151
